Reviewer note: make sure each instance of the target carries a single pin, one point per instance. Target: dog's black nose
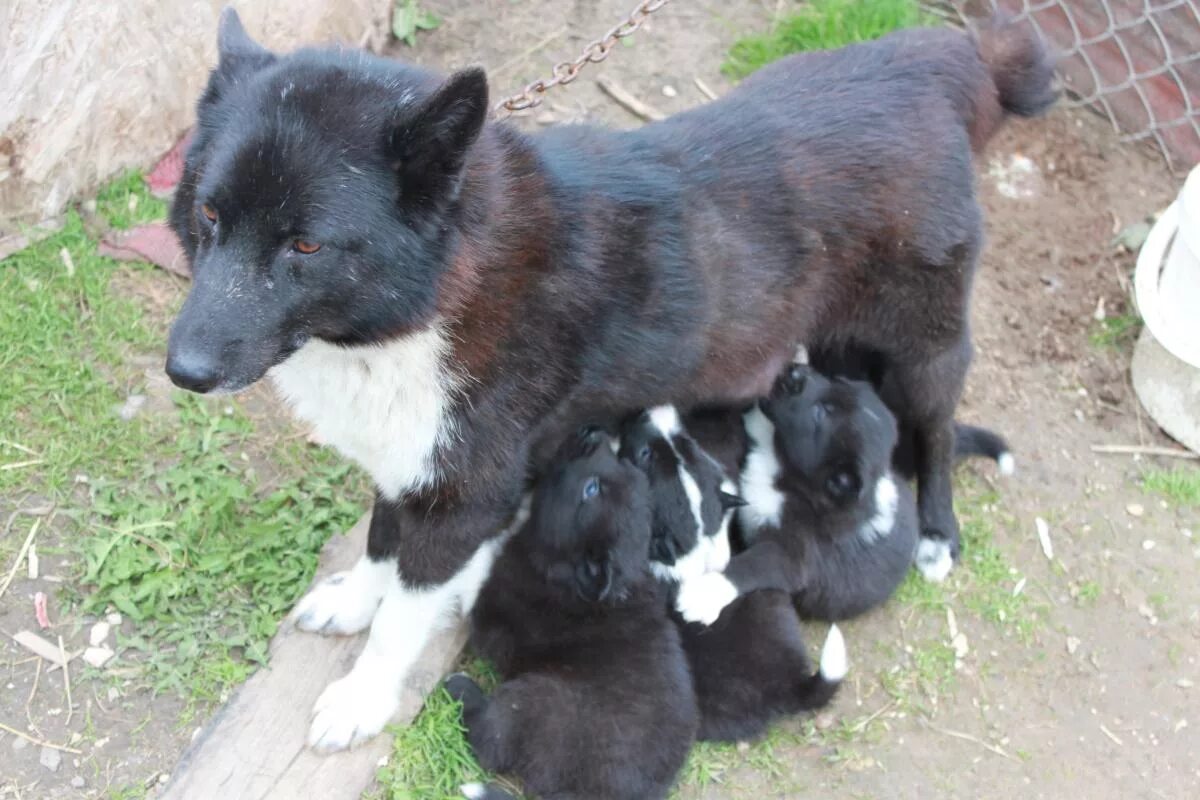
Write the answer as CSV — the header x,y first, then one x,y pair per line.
x,y
193,372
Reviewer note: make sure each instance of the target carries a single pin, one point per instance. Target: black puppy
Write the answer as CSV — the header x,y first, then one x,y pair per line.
x,y
597,701
825,519
751,666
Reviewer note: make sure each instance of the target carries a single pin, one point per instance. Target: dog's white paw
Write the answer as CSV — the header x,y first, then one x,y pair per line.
x,y
703,598
352,710
933,559
345,602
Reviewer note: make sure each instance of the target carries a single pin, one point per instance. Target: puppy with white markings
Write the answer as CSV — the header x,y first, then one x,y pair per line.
x,y
597,700
826,518
750,667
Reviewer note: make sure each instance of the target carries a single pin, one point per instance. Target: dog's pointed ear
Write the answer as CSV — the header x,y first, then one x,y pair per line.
x,y
430,143
237,53
731,501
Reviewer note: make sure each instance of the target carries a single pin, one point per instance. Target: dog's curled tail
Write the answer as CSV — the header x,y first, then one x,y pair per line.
x,y
479,791
1021,70
970,440
817,690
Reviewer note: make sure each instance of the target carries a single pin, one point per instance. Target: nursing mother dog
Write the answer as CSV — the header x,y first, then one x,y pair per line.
x,y
443,298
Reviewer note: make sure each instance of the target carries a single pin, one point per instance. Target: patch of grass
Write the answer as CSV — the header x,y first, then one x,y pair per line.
x,y
1088,593
1116,332
167,515
821,25
431,758
1180,485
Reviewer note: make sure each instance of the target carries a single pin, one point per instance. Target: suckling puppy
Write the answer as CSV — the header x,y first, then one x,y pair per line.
x,y
751,666
826,519
597,700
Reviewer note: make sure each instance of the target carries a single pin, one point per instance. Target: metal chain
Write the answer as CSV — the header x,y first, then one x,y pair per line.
x,y
566,71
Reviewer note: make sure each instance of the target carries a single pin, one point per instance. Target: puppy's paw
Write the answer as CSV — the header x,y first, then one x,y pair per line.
x,y
345,603
934,559
352,710
703,598
462,688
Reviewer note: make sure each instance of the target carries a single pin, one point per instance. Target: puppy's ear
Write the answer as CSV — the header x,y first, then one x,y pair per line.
x,y
730,501
430,144
594,579
238,54
844,485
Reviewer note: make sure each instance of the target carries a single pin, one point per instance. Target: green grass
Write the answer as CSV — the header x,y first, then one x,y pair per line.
x,y
821,25
1180,485
431,758
168,516
1116,332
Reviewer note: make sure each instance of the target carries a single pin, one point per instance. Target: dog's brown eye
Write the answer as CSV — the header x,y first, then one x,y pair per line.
x,y
209,212
306,247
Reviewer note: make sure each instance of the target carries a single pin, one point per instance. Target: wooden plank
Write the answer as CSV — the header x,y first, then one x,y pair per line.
x,y
254,749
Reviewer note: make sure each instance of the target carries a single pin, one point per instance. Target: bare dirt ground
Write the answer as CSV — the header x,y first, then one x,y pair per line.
x,y
1091,694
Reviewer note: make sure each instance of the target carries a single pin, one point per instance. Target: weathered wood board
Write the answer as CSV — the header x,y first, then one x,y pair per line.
x,y
254,748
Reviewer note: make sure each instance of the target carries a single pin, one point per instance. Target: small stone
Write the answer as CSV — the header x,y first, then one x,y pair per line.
x,y
98,634
824,721
19,743
97,656
1187,533
1184,683
114,694
1148,544
50,759
743,747
1135,509
164,777
546,118
78,782
1072,644
114,619
669,91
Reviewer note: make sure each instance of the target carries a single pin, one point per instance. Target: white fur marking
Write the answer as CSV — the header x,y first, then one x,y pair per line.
x,y
387,406
703,599
764,502
473,791
887,502
933,559
1006,463
356,707
344,603
834,663
666,419
801,356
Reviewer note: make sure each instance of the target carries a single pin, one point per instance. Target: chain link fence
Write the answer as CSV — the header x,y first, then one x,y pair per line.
x,y
1137,62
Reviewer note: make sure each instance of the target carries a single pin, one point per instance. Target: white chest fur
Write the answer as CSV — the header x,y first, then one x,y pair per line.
x,y
764,502
386,406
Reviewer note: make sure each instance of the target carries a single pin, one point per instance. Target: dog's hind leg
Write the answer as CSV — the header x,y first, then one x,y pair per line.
x,y
926,394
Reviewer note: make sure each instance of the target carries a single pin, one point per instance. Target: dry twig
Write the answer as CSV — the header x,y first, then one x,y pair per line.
x,y
1145,450
627,100
37,741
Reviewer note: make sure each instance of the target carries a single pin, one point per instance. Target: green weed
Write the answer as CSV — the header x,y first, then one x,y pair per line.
x,y
1180,485
821,25
1116,332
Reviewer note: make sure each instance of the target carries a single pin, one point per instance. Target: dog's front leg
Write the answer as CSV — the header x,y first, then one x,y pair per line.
x,y
418,601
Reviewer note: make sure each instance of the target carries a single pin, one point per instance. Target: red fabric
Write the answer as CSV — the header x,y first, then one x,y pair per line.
x,y
155,243
167,173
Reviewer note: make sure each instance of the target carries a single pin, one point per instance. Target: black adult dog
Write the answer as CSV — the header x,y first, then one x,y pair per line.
x,y
443,298
597,700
